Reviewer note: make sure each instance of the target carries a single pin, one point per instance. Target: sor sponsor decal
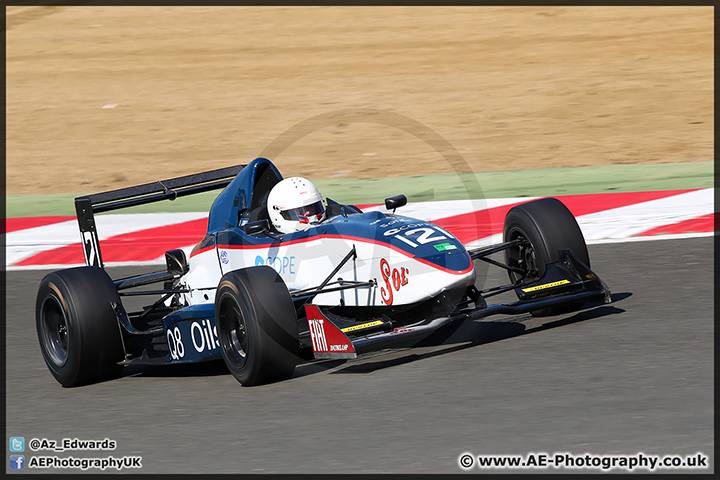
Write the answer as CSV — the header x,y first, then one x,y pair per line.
x,y
280,264
394,280
224,258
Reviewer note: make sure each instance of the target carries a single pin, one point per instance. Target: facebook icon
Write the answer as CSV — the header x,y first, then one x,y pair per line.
x,y
17,462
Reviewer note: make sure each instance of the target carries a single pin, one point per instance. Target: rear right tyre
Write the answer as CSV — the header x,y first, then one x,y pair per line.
x,y
76,325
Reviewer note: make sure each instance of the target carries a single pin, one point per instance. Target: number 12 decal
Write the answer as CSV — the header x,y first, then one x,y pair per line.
x,y
424,237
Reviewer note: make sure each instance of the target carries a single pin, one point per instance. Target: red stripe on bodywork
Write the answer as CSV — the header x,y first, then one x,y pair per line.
x,y
202,250
352,239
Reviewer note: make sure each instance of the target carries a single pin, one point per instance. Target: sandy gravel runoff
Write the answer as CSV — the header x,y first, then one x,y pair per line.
x,y
106,97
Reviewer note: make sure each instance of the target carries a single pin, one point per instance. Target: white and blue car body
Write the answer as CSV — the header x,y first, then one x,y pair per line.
x,y
397,263
357,281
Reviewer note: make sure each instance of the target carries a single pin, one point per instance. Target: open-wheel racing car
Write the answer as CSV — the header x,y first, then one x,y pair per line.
x,y
264,300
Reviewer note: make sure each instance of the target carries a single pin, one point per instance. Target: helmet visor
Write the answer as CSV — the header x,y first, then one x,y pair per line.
x,y
308,214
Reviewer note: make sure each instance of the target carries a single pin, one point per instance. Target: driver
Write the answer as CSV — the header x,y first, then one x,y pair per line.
x,y
295,204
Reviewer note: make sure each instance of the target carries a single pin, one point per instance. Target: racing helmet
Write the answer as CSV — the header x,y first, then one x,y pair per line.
x,y
295,204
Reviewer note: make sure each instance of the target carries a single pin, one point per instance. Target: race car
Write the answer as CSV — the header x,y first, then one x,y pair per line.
x,y
272,285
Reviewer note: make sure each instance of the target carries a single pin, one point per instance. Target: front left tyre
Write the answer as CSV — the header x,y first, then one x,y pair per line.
x,y
76,325
544,226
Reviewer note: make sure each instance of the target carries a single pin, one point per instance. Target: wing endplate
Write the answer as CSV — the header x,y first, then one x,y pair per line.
x,y
328,341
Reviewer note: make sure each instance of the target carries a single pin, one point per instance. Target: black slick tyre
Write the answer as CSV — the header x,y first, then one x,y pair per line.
x,y
547,225
76,325
257,325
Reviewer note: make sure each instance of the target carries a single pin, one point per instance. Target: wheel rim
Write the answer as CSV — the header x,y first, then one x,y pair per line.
x,y
234,336
54,328
523,257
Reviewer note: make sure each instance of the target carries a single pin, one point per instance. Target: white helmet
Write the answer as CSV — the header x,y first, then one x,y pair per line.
x,y
294,204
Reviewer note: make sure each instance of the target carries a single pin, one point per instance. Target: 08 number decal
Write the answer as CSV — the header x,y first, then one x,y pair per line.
x,y
175,343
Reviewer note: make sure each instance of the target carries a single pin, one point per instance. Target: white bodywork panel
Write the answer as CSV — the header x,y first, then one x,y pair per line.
x,y
400,279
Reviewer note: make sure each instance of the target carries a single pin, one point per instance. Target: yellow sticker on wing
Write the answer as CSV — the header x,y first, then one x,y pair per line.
x,y
360,327
547,285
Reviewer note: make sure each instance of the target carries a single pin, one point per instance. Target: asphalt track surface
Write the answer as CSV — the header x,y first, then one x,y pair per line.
x,y
632,376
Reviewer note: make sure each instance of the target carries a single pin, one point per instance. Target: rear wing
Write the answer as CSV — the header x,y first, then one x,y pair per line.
x,y
87,206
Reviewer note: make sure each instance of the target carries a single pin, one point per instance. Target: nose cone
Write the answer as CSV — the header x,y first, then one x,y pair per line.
x,y
450,255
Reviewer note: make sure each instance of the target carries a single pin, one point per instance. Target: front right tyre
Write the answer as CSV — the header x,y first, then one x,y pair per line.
x,y
256,325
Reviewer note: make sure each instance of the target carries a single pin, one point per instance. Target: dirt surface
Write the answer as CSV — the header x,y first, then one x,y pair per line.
x,y
105,97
